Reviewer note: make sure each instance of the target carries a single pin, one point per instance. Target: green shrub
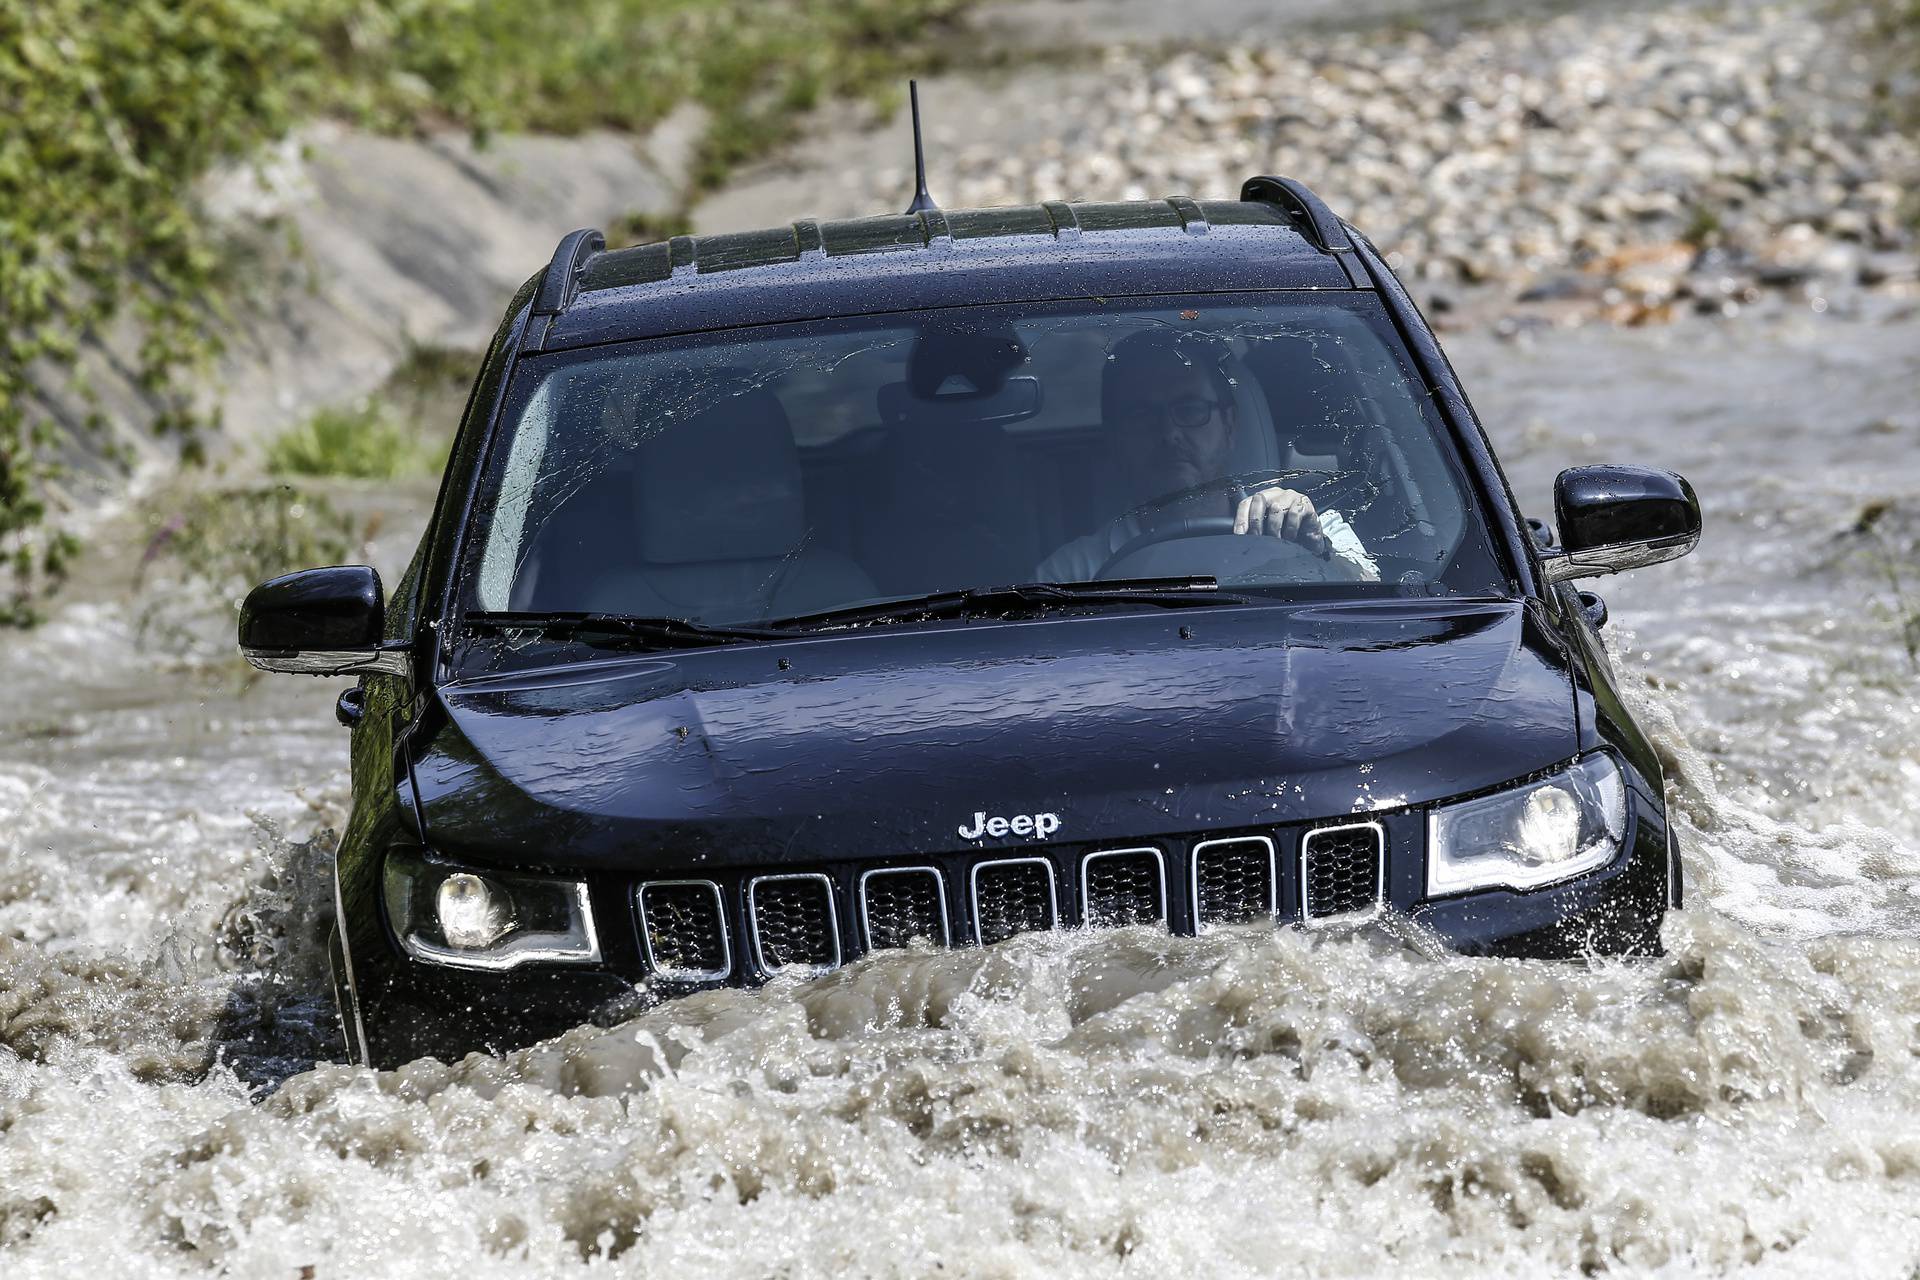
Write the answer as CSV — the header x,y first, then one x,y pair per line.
x,y
112,111
403,429
357,444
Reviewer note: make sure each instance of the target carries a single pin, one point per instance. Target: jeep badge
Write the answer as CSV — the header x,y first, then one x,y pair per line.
x,y
1041,825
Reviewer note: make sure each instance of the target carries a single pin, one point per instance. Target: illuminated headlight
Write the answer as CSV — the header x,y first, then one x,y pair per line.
x,y
1544,831
486,920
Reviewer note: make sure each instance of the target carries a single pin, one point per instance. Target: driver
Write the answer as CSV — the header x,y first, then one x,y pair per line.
x,y
1168,403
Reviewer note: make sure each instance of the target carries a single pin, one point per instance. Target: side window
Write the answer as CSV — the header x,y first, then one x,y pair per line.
x,y
500,564
464,466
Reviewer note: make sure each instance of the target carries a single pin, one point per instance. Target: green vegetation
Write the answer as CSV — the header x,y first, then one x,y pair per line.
x,y
113,110
645,228
360,443
402,430
1703,227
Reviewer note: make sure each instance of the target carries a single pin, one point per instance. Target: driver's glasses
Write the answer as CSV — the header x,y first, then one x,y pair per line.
x,y
1186,412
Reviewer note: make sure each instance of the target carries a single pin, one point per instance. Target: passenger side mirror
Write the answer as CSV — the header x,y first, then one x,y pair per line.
x,y
1615,518
320,622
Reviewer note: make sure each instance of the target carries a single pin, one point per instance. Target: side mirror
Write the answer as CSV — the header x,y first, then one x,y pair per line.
x,y
1615,518
320,622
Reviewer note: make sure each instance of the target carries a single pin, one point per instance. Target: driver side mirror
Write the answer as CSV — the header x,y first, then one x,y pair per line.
x,y
320,622
1615,518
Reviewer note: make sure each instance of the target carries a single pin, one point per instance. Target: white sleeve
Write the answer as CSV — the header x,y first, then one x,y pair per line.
x,y
1076,561
1079,560
1346,547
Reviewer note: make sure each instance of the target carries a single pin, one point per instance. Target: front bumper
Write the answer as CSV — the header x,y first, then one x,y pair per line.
x,y
1616,910
409,1008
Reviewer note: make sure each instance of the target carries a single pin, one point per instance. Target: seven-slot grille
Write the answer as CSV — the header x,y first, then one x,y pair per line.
x,y
1233,881
793,921
1342,869
1123,887
793,917
684,929
1013,895
900,904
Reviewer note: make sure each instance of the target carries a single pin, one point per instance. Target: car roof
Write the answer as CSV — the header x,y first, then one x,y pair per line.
x,y
941,258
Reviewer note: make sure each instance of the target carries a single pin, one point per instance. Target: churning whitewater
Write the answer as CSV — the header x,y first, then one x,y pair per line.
x,y
1253,1102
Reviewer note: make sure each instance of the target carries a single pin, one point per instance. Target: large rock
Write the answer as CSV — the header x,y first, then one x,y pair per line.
x,y
358,247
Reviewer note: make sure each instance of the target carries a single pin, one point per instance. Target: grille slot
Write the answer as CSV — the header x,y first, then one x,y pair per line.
x,y
683,925
1012,896
899,904
793,921
1233,881
1124,886
1342,869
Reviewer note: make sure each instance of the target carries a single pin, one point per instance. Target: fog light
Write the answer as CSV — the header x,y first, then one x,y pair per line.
x,y
472,914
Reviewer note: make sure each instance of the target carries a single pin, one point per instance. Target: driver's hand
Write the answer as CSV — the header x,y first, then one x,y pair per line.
x,y
1282,513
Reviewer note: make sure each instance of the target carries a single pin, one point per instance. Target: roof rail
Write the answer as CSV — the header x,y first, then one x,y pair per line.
x,y
1310,214
561,283
1192,220
1307,210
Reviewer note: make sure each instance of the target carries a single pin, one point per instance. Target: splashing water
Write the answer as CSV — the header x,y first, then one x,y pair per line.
x,y
1101,1104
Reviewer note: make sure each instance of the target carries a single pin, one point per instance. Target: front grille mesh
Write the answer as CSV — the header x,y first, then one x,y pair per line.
x,y
794,924
1012,897
793,921
1232,881
902,906
1341,870
685,934
1123,889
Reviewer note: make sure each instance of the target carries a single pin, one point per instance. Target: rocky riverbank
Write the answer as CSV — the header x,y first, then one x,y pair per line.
x,y
1627,166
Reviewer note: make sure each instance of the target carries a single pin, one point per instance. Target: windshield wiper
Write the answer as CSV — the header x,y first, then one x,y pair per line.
x,y
653,633
1021,598
972,602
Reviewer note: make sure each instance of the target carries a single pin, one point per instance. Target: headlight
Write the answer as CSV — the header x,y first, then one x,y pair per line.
x,y
1531,835
486,919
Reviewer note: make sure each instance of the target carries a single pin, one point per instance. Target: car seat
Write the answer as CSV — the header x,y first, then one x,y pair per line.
x,y
947,470
1326,428
708,521
1255,448
1316,403
957,489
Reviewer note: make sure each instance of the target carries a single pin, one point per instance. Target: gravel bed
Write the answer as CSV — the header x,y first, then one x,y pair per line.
x,y
1625,165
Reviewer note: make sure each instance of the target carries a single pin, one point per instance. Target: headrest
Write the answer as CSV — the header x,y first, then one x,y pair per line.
x,y
1254,449
1316,400
721,484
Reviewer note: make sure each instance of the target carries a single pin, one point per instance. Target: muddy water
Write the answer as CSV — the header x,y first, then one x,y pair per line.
x,y
1122,1104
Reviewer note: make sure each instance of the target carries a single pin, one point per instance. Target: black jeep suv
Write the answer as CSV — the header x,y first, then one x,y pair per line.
x,y
926,579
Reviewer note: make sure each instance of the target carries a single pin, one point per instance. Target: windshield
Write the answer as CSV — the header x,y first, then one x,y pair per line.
x,y
1276,443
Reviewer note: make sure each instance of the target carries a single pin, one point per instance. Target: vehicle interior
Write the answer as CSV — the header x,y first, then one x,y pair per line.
x,y
814,470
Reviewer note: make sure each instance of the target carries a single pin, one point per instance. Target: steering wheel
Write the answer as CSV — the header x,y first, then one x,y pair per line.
x,y
1266,545
1193,527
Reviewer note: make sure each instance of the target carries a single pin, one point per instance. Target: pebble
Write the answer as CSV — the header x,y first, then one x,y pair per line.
x,y
1623,166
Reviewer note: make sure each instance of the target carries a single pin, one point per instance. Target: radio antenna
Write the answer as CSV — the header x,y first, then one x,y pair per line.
x,y
922,202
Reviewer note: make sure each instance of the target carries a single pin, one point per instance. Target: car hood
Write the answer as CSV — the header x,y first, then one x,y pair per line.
x,y
892,740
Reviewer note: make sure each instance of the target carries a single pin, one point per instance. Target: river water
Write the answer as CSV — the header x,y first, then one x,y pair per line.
x,y
1079,1105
